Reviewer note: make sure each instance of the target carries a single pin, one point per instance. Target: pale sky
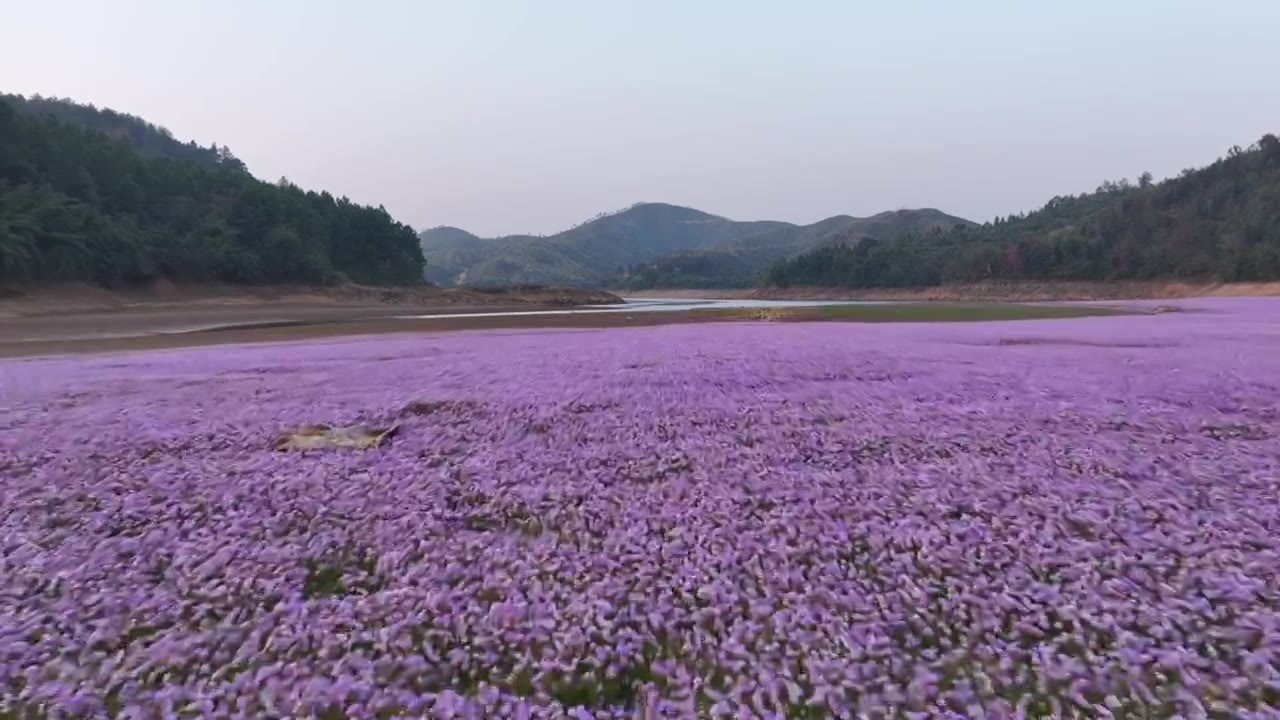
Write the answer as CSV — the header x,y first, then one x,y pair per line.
x,y
506,117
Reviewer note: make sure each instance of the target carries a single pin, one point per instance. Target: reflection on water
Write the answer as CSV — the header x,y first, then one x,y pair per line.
x,y
633,305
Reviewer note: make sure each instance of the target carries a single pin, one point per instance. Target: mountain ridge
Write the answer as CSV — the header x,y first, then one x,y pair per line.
x,y
614,246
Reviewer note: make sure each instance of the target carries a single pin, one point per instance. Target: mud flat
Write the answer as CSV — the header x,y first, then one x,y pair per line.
x,y
157,327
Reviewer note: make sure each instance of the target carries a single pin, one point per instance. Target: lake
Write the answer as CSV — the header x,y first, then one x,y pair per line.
x,y
647,304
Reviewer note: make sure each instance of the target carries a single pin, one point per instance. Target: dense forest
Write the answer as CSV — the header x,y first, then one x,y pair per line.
x,y
145,138
1220,222
697,269
98,196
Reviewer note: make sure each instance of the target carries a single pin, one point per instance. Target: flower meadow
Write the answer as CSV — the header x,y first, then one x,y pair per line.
x,y
1019,519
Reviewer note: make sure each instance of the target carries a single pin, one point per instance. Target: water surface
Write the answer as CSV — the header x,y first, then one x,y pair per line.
x,y
648,304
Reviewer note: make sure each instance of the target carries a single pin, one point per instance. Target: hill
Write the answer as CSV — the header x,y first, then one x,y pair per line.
x,y
741,262
1220,222
145,138
647,243
451,248
93,195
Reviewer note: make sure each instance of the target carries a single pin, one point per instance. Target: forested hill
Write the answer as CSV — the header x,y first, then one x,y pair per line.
x,y
650,245
146,138
742,261
585,254
91,195
1221,222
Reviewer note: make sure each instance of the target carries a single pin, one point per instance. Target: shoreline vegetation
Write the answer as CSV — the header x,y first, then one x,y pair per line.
x,y
1007,291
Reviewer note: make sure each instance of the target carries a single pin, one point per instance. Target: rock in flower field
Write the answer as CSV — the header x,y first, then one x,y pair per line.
x,y
1072,518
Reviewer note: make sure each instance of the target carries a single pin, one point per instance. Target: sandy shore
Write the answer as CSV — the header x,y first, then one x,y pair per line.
x,y
91,321
198,326
189,327
81,318
185,319
88,299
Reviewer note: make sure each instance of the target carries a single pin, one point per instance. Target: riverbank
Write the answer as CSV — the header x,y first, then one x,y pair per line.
x,y
82,318
190,327
987,292
81,334
69,299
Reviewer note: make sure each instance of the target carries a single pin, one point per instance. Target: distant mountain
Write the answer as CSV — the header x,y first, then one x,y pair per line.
x,y
1218,222
89,195
445,236
742,261
452,248
648,240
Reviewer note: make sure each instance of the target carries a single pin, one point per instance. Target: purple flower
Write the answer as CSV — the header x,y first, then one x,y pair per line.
x,y
737,519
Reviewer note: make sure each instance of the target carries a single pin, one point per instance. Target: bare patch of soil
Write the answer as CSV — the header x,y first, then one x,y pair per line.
x,y
18,301
351,326
1080,343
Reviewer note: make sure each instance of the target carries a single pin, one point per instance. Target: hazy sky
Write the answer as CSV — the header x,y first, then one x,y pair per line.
x,y
505,117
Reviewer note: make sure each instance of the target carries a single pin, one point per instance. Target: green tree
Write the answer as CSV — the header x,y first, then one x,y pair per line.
x,y
1221,221
88,194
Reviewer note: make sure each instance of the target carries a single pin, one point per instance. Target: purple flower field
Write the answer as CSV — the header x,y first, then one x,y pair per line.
x,y
1071,517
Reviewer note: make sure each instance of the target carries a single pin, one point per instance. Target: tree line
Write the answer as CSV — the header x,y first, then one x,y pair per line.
x,y
704,269
88,195
1220,222
147,139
